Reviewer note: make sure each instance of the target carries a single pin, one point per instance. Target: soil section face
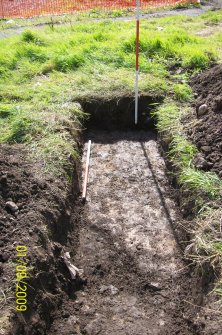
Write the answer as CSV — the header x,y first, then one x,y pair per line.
x,y
207,131
137,282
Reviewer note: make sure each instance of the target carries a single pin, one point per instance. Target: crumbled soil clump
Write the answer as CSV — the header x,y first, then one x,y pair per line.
x,y
207,132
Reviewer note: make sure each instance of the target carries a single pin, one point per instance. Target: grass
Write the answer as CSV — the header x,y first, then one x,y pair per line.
x,y
44,72
206,245
183,92
44,132
212,18
202,188
203,182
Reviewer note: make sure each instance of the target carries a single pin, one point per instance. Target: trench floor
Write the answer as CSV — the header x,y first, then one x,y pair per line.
x,y
137,282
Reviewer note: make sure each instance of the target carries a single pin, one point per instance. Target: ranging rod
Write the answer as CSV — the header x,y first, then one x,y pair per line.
x,y
137,59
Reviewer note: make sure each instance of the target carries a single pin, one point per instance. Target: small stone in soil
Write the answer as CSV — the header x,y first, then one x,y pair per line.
x,y
72,320
4,257
65,315
202,110
153,286
200,162
112,289
11,206
3,180
206,148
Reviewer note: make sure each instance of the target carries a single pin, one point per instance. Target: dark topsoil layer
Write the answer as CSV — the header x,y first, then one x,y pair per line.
x,y
207,132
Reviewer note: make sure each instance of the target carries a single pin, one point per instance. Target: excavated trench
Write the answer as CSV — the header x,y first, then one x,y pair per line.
x,y
136,281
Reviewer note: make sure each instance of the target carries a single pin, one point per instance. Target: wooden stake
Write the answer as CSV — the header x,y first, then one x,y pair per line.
x,y
86,172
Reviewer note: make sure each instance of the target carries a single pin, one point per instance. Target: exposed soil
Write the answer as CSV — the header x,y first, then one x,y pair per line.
x,y
137,282
136,279
206,132
119,113
42,223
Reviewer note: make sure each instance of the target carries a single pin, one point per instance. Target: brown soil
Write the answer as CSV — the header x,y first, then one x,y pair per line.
x,y
44,211
206,133
135,279
137,282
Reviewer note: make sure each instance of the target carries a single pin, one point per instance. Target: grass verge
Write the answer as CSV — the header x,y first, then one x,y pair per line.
x,y
200,191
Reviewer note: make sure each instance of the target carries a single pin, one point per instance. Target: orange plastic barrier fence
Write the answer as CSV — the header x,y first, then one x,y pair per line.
x,y
29,8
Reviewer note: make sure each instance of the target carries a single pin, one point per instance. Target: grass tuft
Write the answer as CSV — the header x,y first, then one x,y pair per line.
x,y
6,111
31,37
203,183
68,62
206,246
183,92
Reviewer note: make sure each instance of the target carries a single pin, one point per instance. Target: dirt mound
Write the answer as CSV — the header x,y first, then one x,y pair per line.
x,y
35,211
207,132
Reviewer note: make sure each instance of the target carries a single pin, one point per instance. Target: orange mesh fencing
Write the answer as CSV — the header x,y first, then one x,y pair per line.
x,y
30,8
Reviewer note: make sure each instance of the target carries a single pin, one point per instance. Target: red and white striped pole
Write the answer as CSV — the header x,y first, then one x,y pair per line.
x,y
137,58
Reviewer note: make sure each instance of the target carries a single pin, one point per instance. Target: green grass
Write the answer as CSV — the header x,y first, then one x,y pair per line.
x,y
218,290
169,119
44,131
43,71
213,17
183,92
182,152
206,246
202,182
